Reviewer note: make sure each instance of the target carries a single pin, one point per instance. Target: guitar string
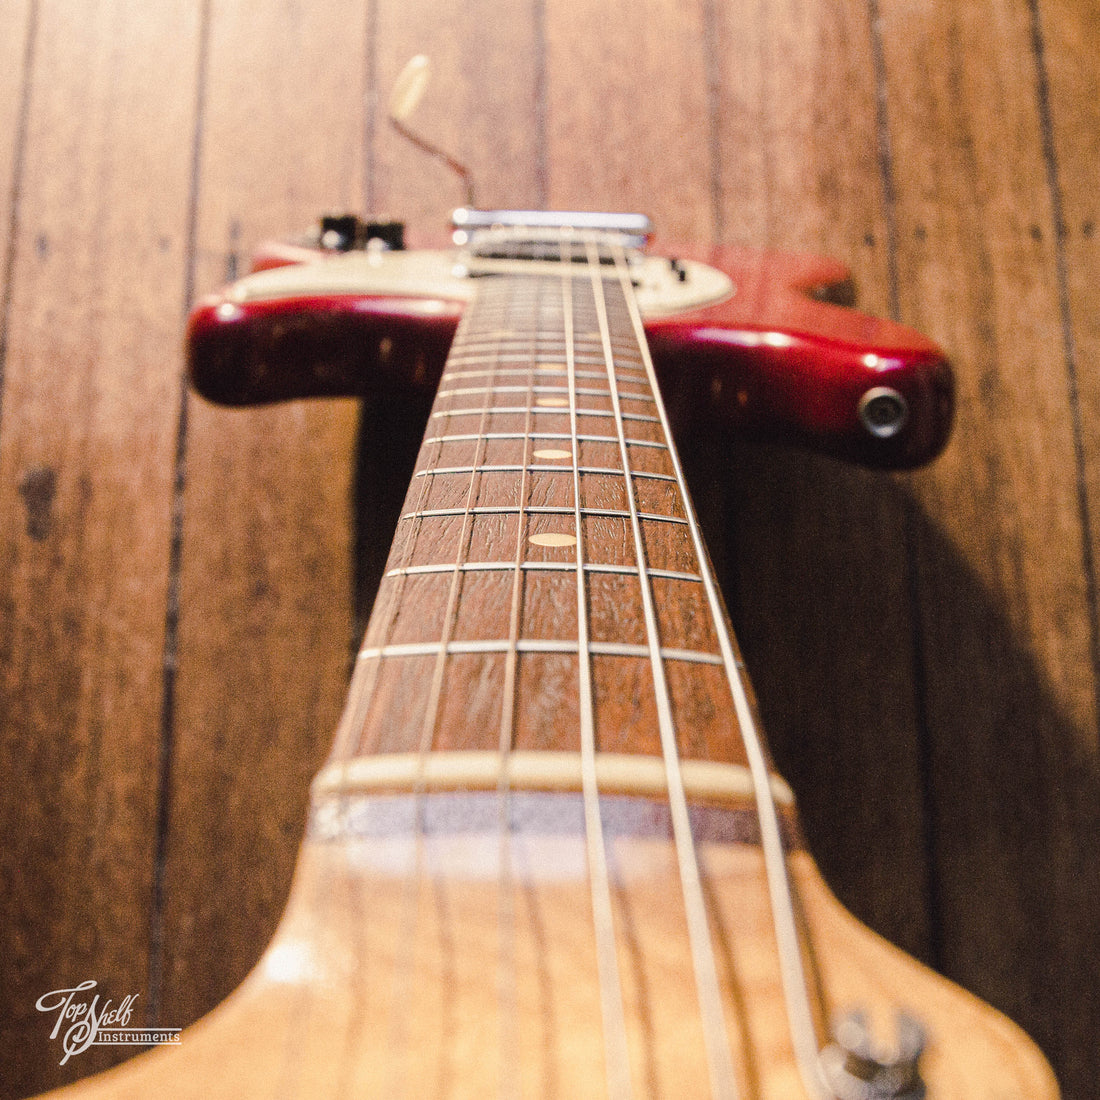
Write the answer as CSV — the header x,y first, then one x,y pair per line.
x,y
616,1053
349,734
716,1039
347,744
507,976
411,538
404,958
796,995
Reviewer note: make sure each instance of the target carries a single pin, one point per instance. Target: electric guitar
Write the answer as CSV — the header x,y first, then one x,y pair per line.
x,y
549,855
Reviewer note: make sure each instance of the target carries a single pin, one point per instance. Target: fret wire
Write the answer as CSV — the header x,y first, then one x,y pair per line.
x,y
670,574
464,390
593,375
467,390
548,566
542,510
553,357
583,349
540,412
534,645
616,1054
589,352
716,1038
468,438
538,468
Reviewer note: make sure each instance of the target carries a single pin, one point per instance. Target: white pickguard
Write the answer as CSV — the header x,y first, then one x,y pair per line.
x,y
441,275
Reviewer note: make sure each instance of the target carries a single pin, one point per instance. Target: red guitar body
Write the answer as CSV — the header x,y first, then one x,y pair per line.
x,y
774,357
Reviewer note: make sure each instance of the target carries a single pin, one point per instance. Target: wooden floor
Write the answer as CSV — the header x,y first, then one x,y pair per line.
x,y
177,589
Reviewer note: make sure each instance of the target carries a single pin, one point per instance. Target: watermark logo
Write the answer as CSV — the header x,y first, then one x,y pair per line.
x,y
81,1021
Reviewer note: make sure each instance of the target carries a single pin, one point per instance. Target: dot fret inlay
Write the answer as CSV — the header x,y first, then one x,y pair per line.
x,y
515,526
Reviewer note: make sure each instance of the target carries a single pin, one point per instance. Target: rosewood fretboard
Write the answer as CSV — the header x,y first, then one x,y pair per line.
x,y
545,450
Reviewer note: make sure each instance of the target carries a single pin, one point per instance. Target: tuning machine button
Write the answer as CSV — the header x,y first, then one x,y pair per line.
x,y
856,1068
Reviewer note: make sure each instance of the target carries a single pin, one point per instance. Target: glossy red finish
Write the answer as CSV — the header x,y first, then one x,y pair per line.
x,y
333,346
771,360
783,365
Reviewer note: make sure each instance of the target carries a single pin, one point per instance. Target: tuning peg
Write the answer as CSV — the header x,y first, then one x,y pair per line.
x,y
857,1068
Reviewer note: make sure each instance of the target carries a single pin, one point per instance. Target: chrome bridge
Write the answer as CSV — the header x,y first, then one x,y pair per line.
x,y
632,230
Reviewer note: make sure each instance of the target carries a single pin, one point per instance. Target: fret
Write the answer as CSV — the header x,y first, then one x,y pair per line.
x,y
632,377
538,510
473,437
537,468
540,389
533,645
551,412
670,574
541,359
541,566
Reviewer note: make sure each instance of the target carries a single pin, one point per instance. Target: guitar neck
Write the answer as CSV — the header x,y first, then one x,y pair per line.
x,y
477,911
547,581
548,618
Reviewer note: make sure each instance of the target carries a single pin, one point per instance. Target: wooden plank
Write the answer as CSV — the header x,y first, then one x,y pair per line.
x,y
627,112
263,650
90,406
264,628
480,107
484,106
1005,597
16,37
819,577
1067,43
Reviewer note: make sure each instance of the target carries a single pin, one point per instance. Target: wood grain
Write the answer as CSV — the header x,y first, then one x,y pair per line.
x,y
17,36
1011,718
90,400
264,624
809,542
946,756
466,553
325,1011
658,161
